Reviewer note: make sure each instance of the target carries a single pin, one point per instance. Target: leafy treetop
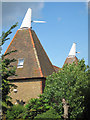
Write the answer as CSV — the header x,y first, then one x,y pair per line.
x,y
70,83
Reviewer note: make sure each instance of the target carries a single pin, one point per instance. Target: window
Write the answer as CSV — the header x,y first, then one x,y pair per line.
x,y
20,63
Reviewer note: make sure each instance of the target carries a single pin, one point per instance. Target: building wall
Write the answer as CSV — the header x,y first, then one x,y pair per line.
x,y
27,89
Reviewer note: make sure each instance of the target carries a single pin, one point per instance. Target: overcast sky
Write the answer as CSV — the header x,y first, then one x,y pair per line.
x,y
66,23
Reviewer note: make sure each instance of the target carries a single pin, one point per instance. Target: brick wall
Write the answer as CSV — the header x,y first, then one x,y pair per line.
x,y
27,89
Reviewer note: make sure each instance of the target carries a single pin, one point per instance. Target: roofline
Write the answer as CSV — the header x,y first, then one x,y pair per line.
x,y
56,67
11,42
18,79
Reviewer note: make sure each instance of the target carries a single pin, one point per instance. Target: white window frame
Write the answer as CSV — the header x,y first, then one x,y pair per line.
x,y
20,63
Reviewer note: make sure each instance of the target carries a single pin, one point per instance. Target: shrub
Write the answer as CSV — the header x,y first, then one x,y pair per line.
x,y
49,114
15,112
36,106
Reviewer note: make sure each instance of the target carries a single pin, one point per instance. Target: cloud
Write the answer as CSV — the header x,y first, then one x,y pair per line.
x,y
15,11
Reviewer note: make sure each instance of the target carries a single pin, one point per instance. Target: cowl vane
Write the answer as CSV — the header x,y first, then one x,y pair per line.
x,y
27,20
73,52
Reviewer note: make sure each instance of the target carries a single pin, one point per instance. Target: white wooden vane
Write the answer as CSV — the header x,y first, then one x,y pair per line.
x,y
27,20
73,52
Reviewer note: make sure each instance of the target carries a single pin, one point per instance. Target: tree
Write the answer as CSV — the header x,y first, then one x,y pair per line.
x,y
70,83
6,71
87,99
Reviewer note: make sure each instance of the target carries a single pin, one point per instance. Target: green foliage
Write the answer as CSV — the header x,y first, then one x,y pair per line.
x,y
49,114
36,106
4,37
69,83
87,99
15,112
6,71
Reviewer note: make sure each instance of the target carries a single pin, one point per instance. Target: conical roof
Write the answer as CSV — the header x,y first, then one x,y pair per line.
x,y
70,60
29,49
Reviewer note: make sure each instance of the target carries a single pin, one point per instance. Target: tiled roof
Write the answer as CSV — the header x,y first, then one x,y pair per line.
x,y
70,60
36,61
56,68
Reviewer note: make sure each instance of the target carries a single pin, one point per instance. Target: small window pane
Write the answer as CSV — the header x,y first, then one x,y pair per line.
x,y
20,63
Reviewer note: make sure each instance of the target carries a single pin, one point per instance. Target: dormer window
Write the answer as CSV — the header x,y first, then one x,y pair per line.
x,y
20,63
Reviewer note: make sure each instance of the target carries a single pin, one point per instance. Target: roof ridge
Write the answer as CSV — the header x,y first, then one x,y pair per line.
x,y
35,53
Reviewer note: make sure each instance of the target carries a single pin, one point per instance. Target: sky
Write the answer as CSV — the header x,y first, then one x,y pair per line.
x,y
66,22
